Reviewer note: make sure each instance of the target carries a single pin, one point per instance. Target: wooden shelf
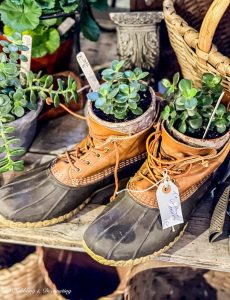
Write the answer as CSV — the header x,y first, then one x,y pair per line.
x,y
193,249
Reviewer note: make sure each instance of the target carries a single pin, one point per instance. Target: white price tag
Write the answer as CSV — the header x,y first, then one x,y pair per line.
x,y
88,71
25,65
168,199
65,26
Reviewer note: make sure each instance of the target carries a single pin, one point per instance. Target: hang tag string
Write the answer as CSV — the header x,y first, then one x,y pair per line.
x,y
165,179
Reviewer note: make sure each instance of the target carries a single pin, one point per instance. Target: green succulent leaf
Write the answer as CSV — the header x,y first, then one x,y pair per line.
x,y
176,78
221,110
124,88
195,122
190,103
182,127
138,111
93,96
100,102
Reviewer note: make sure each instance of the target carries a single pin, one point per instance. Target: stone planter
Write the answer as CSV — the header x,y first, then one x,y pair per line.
x,y
138,38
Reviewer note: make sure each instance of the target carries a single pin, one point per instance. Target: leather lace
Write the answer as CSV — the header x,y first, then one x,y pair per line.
x,y
158,162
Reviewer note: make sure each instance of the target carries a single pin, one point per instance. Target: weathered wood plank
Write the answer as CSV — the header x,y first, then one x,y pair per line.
x,y
58,134
192,249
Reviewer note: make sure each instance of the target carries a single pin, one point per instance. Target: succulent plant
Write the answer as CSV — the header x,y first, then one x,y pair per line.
x,y
189,109
17,97
121,91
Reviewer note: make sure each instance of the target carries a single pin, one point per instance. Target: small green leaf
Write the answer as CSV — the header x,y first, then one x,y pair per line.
x,y
190,103
185,85
182,127
130,74
60,84
132,104
93,96
176,78
100,102
56,100
19,111
124,88
18,165
195,122
221,110
142,75
166,83
17,152
138,111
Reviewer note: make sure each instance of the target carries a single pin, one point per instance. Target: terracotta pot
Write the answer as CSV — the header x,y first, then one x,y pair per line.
x,y
216,143
135,125
50,112
50,63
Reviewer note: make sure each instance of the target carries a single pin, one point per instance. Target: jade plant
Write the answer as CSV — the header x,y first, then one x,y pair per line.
x,y
120,94
20,93
189,109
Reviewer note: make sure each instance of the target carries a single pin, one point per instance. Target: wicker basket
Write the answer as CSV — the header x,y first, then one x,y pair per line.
x,y
191,26
27,279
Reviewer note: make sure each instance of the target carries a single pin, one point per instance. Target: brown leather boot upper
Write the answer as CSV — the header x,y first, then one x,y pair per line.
x,y
97,156
187,166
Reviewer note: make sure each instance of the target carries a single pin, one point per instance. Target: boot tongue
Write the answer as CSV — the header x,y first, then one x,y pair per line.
x,y
174,149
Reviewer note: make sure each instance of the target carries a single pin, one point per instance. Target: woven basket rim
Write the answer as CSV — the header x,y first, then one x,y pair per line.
x,y
171,16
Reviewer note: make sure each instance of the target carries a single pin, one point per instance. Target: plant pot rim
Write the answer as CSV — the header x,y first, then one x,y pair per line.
x,y
31,112
195,142
127,123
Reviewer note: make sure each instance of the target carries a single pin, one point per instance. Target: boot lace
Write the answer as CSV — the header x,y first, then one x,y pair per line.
x,y
159,162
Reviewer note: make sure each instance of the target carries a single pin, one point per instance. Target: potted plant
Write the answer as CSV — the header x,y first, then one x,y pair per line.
x,y
21,98
123,97
41,20
189,110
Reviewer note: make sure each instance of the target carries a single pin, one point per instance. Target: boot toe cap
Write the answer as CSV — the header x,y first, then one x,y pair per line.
x,y
127,231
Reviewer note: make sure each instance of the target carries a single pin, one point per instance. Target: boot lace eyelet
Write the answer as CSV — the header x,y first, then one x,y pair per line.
x,y
78,169
107,149
98,155
88,162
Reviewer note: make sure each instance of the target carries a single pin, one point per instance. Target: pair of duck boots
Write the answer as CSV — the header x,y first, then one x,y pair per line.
x,y
129,230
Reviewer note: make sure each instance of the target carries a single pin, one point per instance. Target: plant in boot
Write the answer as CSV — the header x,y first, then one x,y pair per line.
x,y
189,109
123,95
57,190
20,97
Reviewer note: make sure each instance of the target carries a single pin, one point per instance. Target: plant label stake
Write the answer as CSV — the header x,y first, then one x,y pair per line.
x,y
213,114
88,71
65,26
25,65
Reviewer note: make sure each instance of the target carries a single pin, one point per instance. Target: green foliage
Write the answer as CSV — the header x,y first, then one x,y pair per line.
x,y
189,109
17,98
24,16
46,40
120,93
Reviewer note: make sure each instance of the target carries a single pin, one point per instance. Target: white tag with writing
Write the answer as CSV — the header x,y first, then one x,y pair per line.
x,y
25,65
88,71
168,199
65,26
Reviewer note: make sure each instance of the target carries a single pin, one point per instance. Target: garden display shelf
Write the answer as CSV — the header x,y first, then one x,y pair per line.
x,y
193,249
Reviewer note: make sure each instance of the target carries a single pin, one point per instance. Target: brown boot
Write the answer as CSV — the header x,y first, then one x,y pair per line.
x,y
130,231
57,190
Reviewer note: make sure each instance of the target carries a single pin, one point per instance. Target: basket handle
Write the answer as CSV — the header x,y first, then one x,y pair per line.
x,y
210,23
